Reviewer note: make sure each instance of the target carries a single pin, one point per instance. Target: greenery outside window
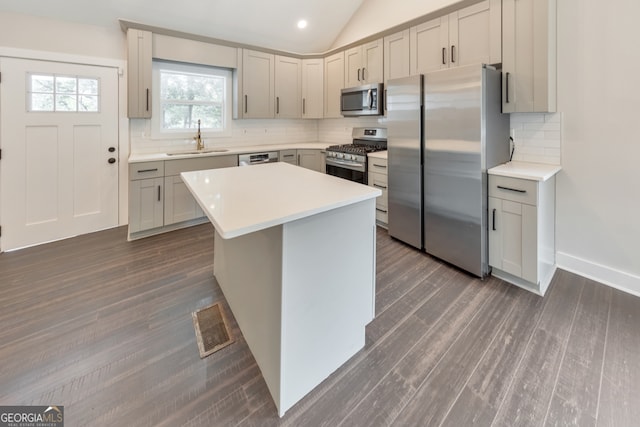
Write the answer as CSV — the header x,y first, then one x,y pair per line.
x,y
184,94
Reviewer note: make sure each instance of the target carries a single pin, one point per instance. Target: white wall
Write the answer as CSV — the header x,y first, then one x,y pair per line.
x,y
598,191
30,32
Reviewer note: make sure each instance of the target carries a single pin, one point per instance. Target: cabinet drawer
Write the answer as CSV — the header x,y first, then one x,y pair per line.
x,y
514,189
174,167
289,156
377,165
146,170
381,214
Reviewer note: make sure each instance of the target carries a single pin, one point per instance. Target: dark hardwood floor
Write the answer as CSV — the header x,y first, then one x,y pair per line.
x,y
103,326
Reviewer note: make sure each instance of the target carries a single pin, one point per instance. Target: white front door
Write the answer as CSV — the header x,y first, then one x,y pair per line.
x,y
59,141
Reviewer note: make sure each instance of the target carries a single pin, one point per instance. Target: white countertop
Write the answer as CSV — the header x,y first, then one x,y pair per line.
x,y
378,155
242,200
525,170
151,157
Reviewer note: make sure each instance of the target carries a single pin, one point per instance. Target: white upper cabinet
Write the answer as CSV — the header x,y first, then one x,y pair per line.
x,y
312,88
139,51
529,56
364,64
258,85
333,84
396,56
468,36
288,87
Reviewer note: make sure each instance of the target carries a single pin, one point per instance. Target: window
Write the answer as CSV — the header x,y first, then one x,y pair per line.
x,y
187,93
58,93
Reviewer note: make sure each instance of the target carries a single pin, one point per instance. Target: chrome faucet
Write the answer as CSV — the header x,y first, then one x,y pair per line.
x,y
198,138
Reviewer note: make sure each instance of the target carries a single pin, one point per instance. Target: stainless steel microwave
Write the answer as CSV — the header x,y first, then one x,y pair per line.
x,y
362,100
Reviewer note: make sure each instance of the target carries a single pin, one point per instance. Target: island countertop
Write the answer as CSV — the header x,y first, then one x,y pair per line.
x,y
242,200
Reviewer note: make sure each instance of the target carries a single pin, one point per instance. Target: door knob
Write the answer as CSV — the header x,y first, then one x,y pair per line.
x,y
112,149
111,160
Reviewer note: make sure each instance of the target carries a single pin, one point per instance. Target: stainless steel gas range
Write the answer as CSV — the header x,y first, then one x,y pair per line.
x,y
349,161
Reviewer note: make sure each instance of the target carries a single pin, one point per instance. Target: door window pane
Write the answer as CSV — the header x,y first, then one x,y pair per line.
x,y
54,93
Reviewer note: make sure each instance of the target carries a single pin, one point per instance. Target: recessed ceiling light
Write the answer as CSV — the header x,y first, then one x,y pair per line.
x,y
302,24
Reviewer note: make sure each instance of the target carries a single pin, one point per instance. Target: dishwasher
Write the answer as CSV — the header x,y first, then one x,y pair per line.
x,y
257,158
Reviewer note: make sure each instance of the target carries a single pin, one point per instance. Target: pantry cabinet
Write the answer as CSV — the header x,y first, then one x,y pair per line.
x,y
312,88
139,61
364,64
333,84
522,231
288,87
258,85
467,36
529,56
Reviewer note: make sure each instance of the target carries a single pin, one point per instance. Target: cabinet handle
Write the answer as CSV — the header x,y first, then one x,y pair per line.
x,y
304,106
385,100
148,170
494,220
288,155
358,74
512,189
453,60
363,78
246,99
380,166
506,87
147,99
381,210
158,193
277,105
444,56
380,186
298,159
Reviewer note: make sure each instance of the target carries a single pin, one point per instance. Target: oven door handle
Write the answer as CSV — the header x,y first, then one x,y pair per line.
x,y
347,165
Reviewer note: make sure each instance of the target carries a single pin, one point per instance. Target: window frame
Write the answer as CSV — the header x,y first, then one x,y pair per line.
x,y
156,119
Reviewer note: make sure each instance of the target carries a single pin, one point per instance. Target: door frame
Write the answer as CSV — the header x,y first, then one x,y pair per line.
x,y
123,120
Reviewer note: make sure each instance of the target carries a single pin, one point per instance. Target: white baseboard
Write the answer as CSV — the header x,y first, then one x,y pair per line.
x,y
621,280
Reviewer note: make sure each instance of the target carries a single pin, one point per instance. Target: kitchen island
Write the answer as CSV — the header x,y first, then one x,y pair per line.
x,y
295,258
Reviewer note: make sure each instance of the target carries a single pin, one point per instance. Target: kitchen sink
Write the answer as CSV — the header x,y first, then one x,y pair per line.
x,y
212,150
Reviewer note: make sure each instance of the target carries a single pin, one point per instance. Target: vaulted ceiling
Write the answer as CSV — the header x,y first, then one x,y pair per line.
x,y
270,24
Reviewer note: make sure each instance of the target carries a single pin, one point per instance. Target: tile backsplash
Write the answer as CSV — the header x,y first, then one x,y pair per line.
x,y
537,137
243,132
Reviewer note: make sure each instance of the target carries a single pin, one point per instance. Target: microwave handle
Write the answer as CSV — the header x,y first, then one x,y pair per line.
x,y
369,99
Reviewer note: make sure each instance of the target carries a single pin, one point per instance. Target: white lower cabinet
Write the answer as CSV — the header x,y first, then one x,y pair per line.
x,y
377,177
146,209
179,204
159,201
522,231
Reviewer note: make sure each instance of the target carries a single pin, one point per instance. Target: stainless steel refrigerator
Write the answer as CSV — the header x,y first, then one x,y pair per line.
x,y
462,133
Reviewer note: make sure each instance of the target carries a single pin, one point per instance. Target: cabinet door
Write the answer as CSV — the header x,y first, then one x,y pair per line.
x,y
333,84
508,231
396,56
311,159
146,204
353,67
139,44
258,85
529,56
289,156
288,75
429,44
372,62
179,204
312,88
475,34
